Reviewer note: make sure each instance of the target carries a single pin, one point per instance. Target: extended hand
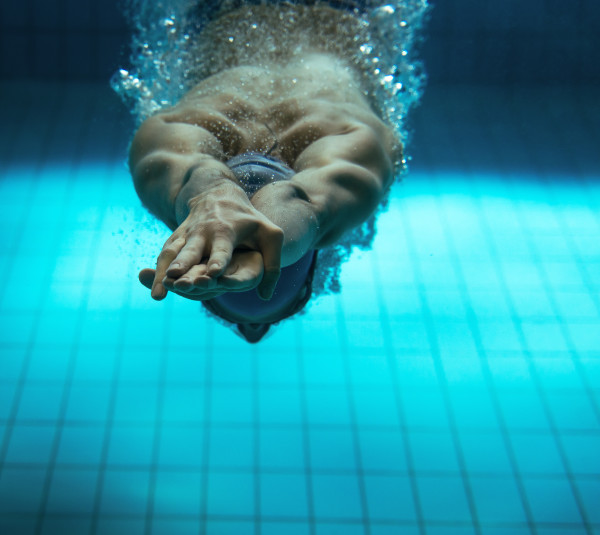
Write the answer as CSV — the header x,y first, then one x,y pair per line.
x,y
198,254
244,272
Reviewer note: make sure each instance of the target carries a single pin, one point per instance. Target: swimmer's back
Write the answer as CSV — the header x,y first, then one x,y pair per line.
x,y
280,108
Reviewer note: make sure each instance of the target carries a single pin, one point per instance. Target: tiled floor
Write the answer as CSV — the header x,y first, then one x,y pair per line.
x,y
453,387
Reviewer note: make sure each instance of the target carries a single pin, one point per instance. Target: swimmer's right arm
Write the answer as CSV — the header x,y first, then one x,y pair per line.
x,y
179,176
168,156
339,182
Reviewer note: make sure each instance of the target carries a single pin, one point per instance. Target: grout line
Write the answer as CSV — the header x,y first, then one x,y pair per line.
x,y
399,405
566,335
476,333
108,424
345,350
84,130
256,471
308,470
208,389
528,355
58,104
158,423
437,360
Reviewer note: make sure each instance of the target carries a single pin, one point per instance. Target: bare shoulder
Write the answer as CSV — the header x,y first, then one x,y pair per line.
x,y
247,108
339,122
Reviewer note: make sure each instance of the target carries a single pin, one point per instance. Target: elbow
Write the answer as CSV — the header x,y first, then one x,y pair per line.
x,y
362,185
150,169
156,181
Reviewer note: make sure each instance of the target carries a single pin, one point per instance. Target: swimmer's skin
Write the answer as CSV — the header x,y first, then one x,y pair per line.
x,y
341,152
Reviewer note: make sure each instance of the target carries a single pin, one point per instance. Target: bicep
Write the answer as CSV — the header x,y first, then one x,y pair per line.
x,y
161,156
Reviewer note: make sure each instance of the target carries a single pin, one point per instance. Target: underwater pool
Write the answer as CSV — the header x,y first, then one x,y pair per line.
x,y
452,387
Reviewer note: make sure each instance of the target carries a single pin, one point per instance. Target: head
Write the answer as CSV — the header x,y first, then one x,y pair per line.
x,y
252,316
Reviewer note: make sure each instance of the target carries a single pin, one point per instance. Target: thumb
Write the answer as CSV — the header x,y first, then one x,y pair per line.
x,y
146,277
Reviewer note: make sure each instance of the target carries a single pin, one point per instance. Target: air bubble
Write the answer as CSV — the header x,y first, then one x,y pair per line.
x,y
166,61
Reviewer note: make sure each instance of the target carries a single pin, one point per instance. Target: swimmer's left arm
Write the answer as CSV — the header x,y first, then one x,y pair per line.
x,y
340,181
163,156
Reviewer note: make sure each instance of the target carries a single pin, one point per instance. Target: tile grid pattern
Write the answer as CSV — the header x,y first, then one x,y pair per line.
x,y
81,133
429,397
538,262
390,356
516,322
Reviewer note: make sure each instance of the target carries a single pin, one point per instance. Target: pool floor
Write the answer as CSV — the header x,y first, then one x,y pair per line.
x,y
452,388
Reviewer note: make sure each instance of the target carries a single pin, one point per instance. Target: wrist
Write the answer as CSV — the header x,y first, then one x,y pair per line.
x,y
200,183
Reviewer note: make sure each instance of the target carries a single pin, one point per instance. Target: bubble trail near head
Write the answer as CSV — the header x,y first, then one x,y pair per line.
x,y
171,51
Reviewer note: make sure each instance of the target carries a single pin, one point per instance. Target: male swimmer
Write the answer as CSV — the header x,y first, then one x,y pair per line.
x,y
273,155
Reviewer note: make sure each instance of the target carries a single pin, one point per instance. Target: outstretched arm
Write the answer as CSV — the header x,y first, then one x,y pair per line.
x,y
340,181
179,176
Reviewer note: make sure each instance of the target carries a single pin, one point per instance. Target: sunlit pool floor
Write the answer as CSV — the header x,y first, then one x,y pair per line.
x,y
452,388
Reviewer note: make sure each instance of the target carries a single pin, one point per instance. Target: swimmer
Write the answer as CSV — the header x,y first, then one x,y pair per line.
x,y
270,158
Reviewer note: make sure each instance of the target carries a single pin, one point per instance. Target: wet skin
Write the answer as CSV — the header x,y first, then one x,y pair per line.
x,y
315,115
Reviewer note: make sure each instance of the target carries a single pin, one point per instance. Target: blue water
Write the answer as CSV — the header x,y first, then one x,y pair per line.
x,y
451,388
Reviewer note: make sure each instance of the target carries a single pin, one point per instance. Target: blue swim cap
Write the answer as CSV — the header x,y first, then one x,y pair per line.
x,y
252,315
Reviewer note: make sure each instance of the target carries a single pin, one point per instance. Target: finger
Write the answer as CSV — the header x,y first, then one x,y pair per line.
x,y
194,293
244,273
243,282
190,255
220,257
195,279
169,283
170,250
199,295
270,246
146,277
267,285
200,277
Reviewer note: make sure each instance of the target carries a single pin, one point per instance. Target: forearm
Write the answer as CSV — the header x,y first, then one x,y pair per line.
x,y
344,178
318,206
200,179
287,207
167,183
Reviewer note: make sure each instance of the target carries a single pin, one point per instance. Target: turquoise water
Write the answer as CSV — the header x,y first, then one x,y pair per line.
x,y
452,387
